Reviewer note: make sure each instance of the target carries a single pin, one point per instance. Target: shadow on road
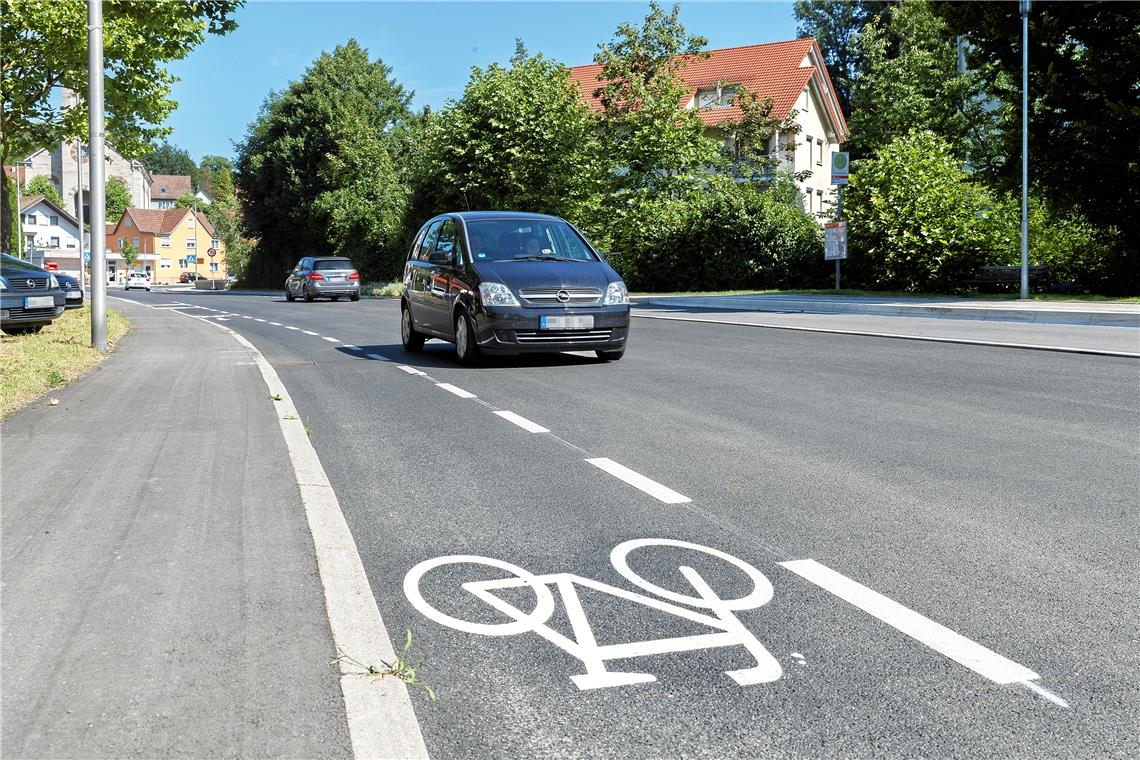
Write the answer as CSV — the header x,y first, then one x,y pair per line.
x,y
437,354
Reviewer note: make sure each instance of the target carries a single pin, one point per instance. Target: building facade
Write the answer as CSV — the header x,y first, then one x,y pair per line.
x,y
169,243
51,236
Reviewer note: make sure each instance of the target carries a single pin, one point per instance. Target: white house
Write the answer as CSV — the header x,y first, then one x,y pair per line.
x,y
793,75
51,236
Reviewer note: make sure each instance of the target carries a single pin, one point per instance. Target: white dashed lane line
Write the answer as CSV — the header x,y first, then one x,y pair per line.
x,y
639,481
310,332
409,370
330,340
457,391
523,422
290,327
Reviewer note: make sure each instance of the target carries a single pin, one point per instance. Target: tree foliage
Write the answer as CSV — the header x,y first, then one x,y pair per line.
x,y
170,159
836,25
326,132
129,253
42,185
191,201
118,199
210,172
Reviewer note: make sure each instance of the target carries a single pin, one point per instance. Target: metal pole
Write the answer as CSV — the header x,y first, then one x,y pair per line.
x,y
1025,148
838,218
98,190
79,204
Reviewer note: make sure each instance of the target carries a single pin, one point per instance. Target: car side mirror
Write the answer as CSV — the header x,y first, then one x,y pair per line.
x,y
439,257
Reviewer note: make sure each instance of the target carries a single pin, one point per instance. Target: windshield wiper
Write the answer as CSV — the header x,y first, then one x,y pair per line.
x,y
548,257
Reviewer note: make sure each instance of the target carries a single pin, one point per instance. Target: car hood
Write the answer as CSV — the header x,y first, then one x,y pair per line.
x,y
548,274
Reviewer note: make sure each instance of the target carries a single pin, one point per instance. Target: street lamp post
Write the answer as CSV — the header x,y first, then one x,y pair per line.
x,y
1025,147
98,191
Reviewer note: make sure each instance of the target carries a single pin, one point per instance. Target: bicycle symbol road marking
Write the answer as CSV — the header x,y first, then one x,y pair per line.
x,y
583,646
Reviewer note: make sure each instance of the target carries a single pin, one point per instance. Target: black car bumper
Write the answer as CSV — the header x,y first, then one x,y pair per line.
x,y
15,311
514,330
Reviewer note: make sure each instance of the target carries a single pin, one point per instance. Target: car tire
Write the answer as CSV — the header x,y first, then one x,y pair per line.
x,y
466,349
413,341
354,297
611,356
288,296
307,295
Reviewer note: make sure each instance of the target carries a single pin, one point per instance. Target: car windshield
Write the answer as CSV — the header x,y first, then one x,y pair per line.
x,y
526,240
332,264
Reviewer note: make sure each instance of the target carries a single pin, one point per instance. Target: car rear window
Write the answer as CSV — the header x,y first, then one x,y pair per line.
x,y
333,264
525,239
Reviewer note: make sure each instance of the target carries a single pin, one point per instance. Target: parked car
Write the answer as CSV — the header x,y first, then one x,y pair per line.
x,y
323,277
72,292
137,280
30,297
511,282
192,277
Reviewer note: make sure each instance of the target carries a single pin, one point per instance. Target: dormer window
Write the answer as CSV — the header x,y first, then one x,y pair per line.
x,y
715,97
162,190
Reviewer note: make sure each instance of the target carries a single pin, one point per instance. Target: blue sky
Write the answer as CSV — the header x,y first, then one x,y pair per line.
x,y
430,46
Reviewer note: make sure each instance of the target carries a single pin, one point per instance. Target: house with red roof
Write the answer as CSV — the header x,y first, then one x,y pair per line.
x,y
792,74
170,242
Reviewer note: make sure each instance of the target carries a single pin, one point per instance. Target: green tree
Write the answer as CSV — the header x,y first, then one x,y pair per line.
x,y
910,80
189,200
129,254
519,138
170,159
118,199
294,154
209,169
745,147
42,185
918,221
836,25
649,141
10,236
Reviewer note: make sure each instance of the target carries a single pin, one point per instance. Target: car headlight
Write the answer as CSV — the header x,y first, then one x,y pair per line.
x,y
496,294
52,281
3,285
616,293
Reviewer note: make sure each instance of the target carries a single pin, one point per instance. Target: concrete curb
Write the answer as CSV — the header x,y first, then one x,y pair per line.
x,y
988,312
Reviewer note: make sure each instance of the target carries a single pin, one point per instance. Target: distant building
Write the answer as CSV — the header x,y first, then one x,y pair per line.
x,y
793,75
51,235
166,189
166,240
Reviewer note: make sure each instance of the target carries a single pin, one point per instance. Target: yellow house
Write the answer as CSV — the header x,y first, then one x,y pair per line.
x,y
170,243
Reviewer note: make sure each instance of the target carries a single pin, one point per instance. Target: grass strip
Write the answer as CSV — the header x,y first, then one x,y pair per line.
x,y
36,363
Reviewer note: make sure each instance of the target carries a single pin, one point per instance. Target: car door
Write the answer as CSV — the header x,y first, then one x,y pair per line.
x,y
300,272
441,270
418,278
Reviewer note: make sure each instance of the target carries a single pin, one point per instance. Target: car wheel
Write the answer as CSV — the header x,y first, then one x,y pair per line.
x,y
412,340
466,348
288,295
354,297
611,356
307,295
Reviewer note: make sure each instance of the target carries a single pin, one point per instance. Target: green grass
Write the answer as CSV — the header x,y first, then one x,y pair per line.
x,y
37,363
899,294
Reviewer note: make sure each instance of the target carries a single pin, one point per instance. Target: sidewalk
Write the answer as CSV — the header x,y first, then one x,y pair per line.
x,y
160,593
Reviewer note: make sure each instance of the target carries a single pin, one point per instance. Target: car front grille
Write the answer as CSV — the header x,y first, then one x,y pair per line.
x,y
539,337
21,283
549,296
22,312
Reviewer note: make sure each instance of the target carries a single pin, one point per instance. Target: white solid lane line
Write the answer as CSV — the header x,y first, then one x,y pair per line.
x,y
409,370
639,481
310,332
457,391
523,422
936,636
332,340
290,327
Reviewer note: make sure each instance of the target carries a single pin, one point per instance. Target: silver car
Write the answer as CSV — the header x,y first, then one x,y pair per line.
x,y
323,277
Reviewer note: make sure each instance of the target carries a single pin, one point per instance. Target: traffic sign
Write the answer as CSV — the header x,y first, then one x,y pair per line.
x,y
191,258
212,252
840,162
835,241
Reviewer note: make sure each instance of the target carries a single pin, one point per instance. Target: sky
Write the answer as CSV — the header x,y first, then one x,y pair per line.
x,y
430,47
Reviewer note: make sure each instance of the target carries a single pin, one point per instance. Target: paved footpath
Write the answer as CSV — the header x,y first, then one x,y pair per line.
x,y
160,592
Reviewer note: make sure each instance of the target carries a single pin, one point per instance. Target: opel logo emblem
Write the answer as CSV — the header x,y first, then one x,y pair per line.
x,y
30,283
562,296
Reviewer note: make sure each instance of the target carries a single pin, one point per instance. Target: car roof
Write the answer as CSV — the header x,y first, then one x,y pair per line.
x,y
471,216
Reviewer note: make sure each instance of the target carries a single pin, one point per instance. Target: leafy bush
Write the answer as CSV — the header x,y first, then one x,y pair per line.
x,y
917,220
384,290
727,236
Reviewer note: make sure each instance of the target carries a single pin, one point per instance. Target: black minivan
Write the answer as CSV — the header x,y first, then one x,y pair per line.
x,y
510,282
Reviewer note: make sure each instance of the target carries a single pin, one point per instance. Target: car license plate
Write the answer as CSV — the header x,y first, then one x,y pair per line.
x,y
39,302
335,278
566,323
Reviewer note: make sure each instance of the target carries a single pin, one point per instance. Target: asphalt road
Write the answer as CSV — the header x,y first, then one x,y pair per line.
x,y
971,514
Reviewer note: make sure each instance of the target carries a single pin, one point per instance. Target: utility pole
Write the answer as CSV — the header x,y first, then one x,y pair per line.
x,y
98,190
1025,147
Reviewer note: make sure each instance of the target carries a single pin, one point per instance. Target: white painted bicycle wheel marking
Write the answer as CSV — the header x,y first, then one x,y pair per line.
x,y
457,391
523,422
639,481
409,370
729,631
761,588
934,635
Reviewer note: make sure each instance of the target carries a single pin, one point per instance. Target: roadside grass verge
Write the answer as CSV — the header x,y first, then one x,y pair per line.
x,y
392,289
37,363
898,294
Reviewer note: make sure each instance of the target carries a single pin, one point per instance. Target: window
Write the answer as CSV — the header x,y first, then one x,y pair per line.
x,y
819,152
191,243
164,241
127,222
429,241
213,266
53,221
190,221
215,243
808,141
809,203
448,237
182,263
30,219
164,264
504,240
333,264
55,242
135,241
122,242
715,97
162,190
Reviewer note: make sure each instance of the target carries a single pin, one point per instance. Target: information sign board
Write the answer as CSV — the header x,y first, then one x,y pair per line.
x,y
840,162
835,241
